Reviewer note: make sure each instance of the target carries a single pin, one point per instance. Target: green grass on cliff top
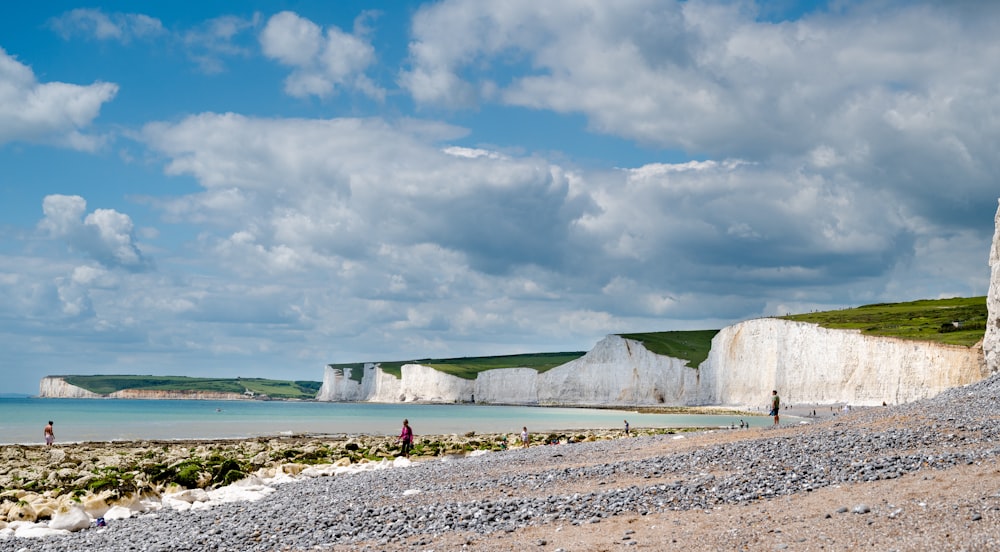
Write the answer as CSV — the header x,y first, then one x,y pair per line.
x,y
692,346
924,320
469,367
276,389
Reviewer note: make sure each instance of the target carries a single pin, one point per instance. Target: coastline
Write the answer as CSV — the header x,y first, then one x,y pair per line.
x,y
132,477
909,477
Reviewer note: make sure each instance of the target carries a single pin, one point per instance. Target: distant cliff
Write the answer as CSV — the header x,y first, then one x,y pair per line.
x,y
57,388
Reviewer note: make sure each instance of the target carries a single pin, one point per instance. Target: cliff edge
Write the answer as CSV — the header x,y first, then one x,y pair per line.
x,y
991,341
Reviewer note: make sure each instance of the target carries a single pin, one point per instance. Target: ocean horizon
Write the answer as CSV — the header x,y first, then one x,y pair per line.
x,y
79,420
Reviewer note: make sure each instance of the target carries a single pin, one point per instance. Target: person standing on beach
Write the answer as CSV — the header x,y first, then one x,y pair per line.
x,y
50,436
406,439
775,406
525,438
626,428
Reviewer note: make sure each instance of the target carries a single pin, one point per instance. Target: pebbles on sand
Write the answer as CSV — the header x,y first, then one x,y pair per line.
x,y
583,484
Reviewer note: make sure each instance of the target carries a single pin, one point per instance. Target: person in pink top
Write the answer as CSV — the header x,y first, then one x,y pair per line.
x,y
406,439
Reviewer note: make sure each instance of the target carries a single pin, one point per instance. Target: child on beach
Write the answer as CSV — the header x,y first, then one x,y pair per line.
x,y
50,435
525,438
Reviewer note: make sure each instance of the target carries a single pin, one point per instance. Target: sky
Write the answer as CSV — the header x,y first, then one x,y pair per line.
x,y
258,189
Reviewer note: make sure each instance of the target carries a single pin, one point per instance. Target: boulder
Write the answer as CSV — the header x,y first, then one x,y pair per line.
x,y
73,518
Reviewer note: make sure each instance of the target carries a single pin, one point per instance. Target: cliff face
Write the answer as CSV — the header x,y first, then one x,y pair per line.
x,y
56,387
616,372
196,395
619,371
991,341
808,363
805,362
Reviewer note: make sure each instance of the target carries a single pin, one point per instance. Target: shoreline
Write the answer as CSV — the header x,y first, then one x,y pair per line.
x,y
909,476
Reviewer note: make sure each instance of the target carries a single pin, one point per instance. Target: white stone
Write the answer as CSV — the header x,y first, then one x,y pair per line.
x,y
189,495
37,531
73,518
118,512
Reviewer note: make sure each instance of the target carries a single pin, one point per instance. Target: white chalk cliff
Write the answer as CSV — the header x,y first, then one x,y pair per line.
x,y
807,363
991,341
617,371
56,386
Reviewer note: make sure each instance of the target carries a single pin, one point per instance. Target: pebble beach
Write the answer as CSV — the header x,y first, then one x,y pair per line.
x,y
912,477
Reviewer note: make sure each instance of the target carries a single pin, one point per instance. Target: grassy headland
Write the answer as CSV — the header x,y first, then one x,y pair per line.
x,y
275,389
956,321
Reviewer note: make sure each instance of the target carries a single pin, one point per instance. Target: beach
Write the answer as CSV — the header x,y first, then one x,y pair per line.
x,y
910,477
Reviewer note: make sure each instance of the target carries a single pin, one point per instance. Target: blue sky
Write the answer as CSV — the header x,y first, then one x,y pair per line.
x,y
258,188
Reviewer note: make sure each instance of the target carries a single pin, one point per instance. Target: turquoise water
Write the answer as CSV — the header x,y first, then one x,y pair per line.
x,y
22,419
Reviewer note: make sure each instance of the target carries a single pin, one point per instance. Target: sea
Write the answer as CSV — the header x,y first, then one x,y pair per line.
x,y
77,420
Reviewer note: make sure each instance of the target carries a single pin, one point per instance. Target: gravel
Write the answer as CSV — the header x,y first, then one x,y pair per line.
x,y
576,484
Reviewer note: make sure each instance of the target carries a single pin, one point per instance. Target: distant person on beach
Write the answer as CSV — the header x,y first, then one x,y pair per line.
x,y
775,406
50,436
525,438
626,428
406,439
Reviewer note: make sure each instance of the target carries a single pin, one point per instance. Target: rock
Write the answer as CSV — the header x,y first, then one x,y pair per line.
x,y
861,509
22,511
73,518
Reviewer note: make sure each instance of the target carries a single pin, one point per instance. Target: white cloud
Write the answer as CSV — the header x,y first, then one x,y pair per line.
x,y
53,112
322,63
94,23
105,235
710,79
218,38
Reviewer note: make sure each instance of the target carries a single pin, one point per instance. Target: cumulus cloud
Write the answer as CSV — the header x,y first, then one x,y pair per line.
x,y
104,235
391,217
845,93
54,112
322,62
325,184
95,24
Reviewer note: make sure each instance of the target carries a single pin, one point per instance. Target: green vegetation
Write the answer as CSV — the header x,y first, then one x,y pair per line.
x,y
357,370
692,346
958,321
275,389
469,367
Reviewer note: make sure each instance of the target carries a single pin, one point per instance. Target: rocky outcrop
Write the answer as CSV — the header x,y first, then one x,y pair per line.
x,y
991,341
807,363
56,387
